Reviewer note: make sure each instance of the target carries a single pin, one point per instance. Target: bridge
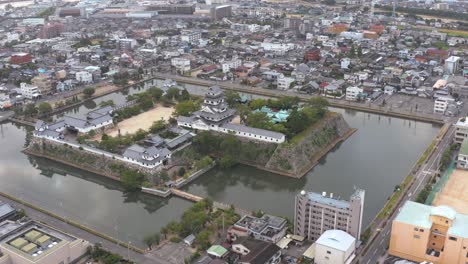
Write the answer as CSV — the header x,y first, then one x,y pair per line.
x,y
217,205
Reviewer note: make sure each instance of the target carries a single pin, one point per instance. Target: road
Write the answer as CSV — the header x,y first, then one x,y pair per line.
x,y
378,248
110,246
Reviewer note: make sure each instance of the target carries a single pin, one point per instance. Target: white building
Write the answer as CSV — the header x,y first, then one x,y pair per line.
x,y
441,104
182,65
462,159
345,62
352,93
190,37
29,91
278,48
127,44
84,77
334,247
452,64
283,82
389,90
232,64
461,130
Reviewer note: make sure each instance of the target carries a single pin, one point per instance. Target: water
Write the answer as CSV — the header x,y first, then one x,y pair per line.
x,y
376,158
94,201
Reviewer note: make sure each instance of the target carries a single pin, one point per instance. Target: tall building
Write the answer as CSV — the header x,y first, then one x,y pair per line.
x,y
452,64
220,12
461,130
426,233
51,30
43,82
316,213
36,243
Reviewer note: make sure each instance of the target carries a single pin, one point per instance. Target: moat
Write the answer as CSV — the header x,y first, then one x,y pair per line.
x,y
102,204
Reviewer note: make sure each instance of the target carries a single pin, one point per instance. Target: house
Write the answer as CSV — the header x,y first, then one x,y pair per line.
x,y
389,90
6,211
147,157
232,64
353,93
84,77
332,247
283,82
256,252
441,104
461,130
182,65
267,228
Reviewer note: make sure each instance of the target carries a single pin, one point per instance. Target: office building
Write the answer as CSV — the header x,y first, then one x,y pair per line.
x,y
316,213
436,234
126,44
36,243
43,83
332,247
51,30
173,9
452,64
220,12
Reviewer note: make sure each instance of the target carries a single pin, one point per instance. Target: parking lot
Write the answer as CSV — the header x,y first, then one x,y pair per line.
x,y
408,103
175,253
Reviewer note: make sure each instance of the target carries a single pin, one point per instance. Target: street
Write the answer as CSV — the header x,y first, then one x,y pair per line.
x,y
378,248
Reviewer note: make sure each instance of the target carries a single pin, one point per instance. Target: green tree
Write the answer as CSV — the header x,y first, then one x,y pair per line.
x,y
258,120
156,93
30,110
148,240
172,93
44,108
158,126
203,239
184,96
227,161
297,121
232,98
132,180
88,92
186,108
145,102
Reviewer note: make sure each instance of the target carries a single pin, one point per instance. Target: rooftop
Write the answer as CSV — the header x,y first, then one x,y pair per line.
x,y
325,200
336,239
419,215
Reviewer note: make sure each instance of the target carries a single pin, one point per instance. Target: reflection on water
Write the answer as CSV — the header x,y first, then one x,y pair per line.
x,y
376,158
95,201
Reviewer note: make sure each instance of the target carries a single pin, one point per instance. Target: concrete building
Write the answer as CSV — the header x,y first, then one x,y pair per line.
x,y
182,65
256,252
232,64
29,91
316,213
353,93
267,228
283,82
332,247
452,64
426,233
220,12
441,104
84,77
126,44
462,158
43,83
36,243
191,37
51,30
461,130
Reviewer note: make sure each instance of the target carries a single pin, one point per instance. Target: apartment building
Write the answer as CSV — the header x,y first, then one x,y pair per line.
x,y
181,65
441,104
462,158
436,234
232,64
29,91
36,243
461,130
353,93
316,213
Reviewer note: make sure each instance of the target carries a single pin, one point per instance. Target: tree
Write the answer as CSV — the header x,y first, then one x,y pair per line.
x,y
148,240
203,239
184,96
297,121
258,120
359,51
156,93
44,108
158,126
88,92
232,98
181,171
319,103
132,180
30,110
186,108
172,93
145,102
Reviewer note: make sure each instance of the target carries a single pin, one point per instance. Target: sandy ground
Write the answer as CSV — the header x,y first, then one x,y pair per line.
x,y
143,121
236,120
454,193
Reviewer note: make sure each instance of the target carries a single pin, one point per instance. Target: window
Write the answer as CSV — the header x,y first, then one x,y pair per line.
x,y
453,238
328,252
421,230
416,237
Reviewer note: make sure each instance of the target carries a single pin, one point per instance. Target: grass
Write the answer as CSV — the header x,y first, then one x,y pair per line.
x,y
392,201
455,33
299,137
